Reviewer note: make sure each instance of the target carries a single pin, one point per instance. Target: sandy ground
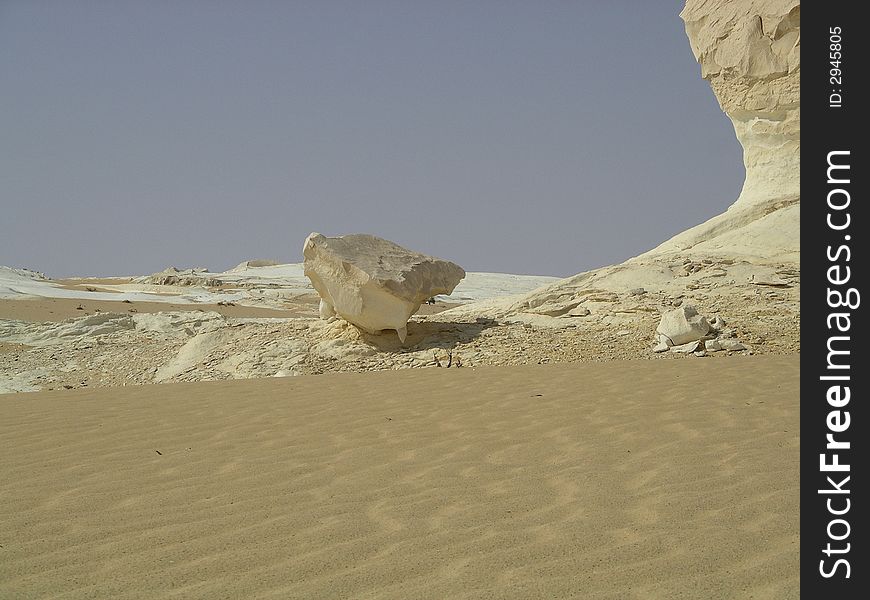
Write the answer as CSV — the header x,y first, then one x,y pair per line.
x,y
92,283
648,479
59,309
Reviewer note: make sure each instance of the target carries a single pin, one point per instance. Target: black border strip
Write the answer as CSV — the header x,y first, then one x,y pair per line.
x,y
834,224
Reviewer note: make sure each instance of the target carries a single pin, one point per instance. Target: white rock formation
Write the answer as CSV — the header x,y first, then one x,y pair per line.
x,y
713,346
191,354
175,276
71,330
681,326
374,283
86,329
749,51
729,344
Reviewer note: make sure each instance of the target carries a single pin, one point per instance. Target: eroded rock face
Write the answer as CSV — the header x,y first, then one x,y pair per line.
x,y
743,263
374,283
749,51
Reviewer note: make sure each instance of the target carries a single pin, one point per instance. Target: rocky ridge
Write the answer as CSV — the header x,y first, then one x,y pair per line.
x,y
107,349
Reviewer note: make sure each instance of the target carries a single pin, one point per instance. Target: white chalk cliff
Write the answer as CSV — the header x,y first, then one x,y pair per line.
x,y
749,51
374,283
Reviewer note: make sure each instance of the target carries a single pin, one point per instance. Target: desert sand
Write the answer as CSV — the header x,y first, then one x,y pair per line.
x,y
59,309
646,479
39,310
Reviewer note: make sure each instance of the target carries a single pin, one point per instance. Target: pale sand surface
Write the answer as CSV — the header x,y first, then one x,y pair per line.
x,y
60,309
97,283
647,479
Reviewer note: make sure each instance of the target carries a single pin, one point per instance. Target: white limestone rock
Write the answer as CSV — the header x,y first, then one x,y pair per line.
x,y
374,283
731,345
557,308
687,348
179,323
71,331
580,311
326,310
681,326
713,346
749,51
660,346
191,354
198,276
717,323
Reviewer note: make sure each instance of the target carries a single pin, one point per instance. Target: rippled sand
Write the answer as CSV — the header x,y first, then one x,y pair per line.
x,y
648,479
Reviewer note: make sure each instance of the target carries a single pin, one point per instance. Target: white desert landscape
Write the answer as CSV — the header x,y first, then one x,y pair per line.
x,y
373,422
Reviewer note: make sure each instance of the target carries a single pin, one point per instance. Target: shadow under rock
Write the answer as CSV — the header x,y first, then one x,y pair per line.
x,y
429,335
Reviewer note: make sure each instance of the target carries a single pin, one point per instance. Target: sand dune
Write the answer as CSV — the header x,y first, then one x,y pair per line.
x,y
648,479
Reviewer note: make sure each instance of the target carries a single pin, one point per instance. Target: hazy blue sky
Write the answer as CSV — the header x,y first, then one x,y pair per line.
x,y
545,137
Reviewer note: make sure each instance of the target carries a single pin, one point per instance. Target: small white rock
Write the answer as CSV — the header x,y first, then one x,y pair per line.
x,y
579,311
661,347
686,348
683,325
712,346
731,344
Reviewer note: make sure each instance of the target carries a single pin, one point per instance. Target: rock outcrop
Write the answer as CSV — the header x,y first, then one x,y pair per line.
x,y
750,54
681,326
749,51
184,277
743,263
684,331
14,282
374,283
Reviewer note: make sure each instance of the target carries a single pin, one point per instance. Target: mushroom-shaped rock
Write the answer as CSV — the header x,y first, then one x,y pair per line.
x,y
372,282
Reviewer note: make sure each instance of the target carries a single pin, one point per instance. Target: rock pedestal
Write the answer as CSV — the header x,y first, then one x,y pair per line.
x,y
372,282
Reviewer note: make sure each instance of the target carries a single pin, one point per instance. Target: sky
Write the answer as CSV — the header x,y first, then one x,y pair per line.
x,y
544,138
